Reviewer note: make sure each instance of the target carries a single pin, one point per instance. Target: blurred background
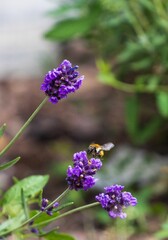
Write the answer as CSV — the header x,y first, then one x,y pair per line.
x,y
121,48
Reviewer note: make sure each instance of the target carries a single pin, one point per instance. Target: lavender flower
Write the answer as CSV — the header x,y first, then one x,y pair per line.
x,y
80,176
55,205
114,200
48,210
44,204
61,81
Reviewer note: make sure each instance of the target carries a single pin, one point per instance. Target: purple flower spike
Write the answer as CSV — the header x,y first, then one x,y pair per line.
x,y
61,81
114,200
80,176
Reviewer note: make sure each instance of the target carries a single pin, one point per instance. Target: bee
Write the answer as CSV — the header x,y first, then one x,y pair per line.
x,y
97,150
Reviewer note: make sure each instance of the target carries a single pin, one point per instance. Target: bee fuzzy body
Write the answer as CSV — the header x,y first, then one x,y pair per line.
x,y
97,150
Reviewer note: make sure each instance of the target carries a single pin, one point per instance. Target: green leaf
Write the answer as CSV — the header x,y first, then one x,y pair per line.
x,y
147,4
2,129
44,219
105,74
162,103
129,52
159,40
163,233
9,164
69,29
163,23
142,64
58,236
12,203
165,225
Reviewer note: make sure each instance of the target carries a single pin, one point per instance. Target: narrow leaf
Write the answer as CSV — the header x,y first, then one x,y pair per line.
x,y
162,103
144,134
132,114
58,236
24,204
48,232
141,64
9,164
2,129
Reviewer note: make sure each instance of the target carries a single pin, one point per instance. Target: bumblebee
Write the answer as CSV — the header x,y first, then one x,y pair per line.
x,y
97,150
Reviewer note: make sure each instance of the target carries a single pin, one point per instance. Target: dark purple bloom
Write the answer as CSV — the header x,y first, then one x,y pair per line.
x,y
114,200
61,81
46,208
31,223
44,204
80,176
49,211
34,230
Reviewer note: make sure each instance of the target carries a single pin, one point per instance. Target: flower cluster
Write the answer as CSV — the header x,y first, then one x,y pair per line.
x,y
44,204
80,176
61,81
114,200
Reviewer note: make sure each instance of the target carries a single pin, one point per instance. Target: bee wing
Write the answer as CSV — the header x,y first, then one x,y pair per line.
x,y
107,146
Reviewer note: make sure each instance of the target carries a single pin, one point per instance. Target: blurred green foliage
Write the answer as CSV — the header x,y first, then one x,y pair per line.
x,y
130,40
163,232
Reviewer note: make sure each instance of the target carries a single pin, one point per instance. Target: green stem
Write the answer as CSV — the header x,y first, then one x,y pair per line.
x,y
23,127
79,209
68,213
131,88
